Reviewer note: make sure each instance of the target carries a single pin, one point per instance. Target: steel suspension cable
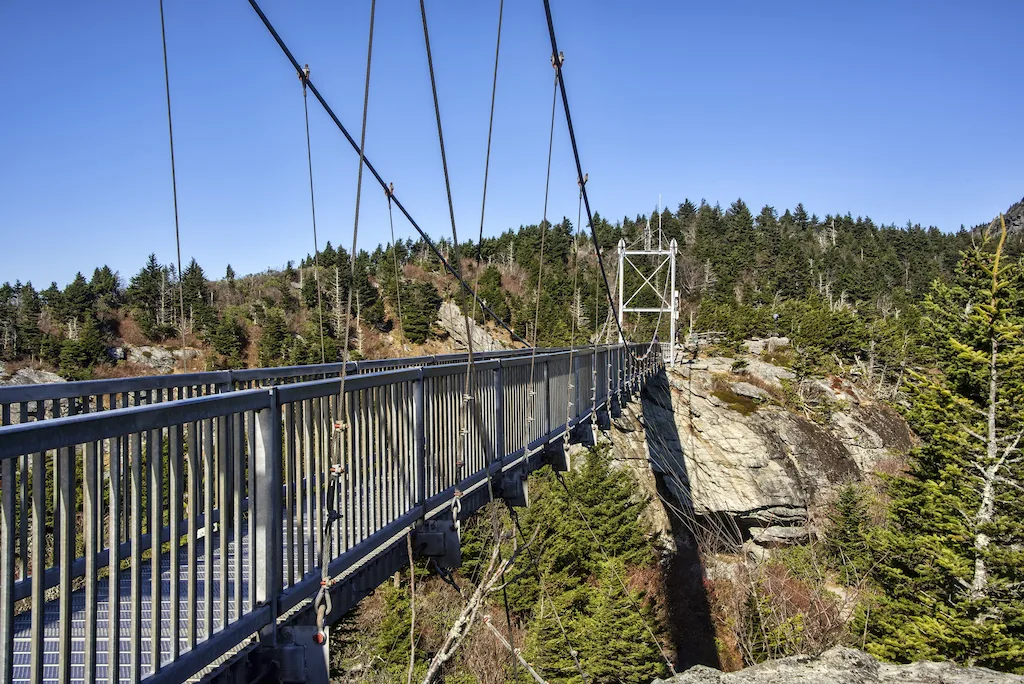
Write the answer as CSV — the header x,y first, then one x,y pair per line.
x,y
380,180
470,410
340,433
390,192
495,531
573,315
487,158
174,191
556,63
468,394
560,82
304,76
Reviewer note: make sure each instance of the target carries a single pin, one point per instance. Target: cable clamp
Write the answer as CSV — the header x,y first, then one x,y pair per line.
x,y
557,62
582,182
467,397
337,470
389,191
340,425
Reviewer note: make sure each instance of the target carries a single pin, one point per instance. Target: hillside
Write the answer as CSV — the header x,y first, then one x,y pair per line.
x,y
839,286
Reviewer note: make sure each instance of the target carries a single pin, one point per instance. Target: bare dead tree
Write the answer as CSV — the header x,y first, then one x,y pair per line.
x,y
490,581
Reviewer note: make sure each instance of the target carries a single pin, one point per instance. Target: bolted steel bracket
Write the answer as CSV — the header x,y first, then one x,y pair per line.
x,y
513,488
297,656
439,540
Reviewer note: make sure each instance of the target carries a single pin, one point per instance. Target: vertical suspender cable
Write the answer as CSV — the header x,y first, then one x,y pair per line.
x,y
390,192
560,81
341,427
468,394
304,76
556,62
373,172
174,190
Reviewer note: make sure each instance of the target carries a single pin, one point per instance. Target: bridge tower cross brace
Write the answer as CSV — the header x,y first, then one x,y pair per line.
x,y
669,304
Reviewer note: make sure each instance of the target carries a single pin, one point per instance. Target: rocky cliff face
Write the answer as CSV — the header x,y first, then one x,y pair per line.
x,y
843,666
731,449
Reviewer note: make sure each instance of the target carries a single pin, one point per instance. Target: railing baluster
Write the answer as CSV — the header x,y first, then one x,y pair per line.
x,y
192,457
175,491
66,487
114,564
7,540
419,441
237,457
209,480
90,509
155,461
224,513
290,493
24,509
135,633
38,561
250,489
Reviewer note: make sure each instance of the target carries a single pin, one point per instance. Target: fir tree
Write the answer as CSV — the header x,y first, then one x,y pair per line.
x,y
274,339
952,574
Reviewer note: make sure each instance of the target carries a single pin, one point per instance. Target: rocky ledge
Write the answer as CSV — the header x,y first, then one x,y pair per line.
x,y
843,666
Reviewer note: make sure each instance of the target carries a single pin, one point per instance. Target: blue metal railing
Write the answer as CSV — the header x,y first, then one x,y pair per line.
x,y
160,523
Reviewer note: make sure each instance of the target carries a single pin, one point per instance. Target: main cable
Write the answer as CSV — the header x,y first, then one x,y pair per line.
x,y
380,180
304,76
174,190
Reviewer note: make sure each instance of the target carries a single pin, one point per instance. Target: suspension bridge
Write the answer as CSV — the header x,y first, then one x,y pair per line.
x,y
213,525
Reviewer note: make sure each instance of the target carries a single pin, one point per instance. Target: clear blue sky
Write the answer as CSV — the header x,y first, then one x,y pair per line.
x,y
897,110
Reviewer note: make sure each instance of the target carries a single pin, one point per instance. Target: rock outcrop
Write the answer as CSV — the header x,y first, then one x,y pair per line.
x,y
725,446
28,376
160,359
843,666
451,319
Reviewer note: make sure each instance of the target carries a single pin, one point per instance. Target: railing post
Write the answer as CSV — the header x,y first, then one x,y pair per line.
x,y
267,557
499,414
420,440
7,567
547,399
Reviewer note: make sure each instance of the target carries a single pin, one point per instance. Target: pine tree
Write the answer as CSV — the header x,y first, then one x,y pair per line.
x,y
229,339
274,340
144,295
77,300
846,539
614,642
27,321
106,287
952,574
196,292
